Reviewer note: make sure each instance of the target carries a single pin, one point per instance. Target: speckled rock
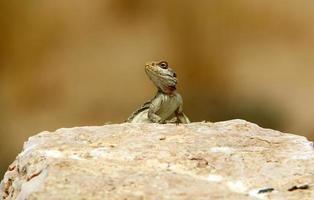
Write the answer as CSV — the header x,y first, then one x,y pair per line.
x,y
225,160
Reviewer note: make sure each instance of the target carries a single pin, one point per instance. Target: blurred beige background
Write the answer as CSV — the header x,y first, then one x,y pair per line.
x,y
74,63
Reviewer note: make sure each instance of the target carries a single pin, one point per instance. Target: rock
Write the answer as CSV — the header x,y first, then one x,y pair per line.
x,y
225,160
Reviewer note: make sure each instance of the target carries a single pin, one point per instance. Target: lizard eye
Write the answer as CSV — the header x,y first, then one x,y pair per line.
x,y
163,65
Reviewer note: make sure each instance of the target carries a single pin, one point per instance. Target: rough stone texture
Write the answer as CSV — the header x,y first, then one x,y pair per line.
x,y
225,160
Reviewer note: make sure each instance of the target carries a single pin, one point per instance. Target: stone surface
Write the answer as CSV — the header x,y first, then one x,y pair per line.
x,y
225,160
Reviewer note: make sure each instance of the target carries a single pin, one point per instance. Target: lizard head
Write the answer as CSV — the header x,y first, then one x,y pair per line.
x,y
162,76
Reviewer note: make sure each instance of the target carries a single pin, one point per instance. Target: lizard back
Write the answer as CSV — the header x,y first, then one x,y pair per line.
x,y
139,110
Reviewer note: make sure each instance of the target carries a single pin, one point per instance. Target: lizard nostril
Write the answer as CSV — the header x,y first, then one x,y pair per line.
x,y
174,75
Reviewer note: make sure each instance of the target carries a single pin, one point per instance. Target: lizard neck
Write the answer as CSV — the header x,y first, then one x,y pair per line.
x,y
167,92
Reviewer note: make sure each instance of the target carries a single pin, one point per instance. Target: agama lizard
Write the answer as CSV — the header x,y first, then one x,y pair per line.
x,y
167,105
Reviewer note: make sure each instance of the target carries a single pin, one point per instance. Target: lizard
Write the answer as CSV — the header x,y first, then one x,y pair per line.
x,y
167,105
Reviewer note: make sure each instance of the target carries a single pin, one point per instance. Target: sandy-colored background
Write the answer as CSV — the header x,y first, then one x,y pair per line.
x,y
74,63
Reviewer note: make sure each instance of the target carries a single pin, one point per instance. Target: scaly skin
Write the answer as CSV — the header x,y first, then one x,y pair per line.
x,y
167,105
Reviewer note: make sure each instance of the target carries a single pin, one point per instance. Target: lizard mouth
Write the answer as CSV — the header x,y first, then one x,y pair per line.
x,y
152,72
165,79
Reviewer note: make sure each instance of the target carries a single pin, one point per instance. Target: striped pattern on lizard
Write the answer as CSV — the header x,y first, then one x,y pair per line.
x,y
167,105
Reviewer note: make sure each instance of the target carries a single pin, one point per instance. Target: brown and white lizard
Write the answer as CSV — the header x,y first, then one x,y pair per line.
x,y
167,105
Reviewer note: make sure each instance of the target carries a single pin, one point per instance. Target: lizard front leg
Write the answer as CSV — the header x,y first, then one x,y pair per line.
x,y
181,117
153,108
